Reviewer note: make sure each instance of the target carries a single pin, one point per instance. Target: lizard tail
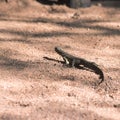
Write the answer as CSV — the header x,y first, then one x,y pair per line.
x,y
101,77
99,71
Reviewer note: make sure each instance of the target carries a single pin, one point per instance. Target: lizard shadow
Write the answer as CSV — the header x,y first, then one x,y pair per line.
x,y
51,59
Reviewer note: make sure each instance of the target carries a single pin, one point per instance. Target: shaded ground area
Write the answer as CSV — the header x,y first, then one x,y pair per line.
x,y
32,87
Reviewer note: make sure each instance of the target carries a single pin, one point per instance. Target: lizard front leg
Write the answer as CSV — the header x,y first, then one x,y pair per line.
x,y
70,63
66,60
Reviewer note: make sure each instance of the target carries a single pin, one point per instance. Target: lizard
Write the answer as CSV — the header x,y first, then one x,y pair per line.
x,y
74,61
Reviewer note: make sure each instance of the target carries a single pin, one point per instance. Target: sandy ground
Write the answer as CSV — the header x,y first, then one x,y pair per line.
x,y
33,88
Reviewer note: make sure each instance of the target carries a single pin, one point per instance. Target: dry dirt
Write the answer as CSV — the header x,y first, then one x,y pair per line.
x,y
34,88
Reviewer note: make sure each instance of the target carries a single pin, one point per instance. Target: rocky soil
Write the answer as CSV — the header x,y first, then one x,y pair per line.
x,y
34,88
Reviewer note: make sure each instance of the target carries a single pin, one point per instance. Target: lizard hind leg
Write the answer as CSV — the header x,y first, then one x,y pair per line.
x,y
73,63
